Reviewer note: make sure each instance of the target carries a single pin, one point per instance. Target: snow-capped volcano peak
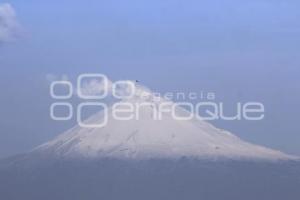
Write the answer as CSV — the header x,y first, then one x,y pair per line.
x,y
143,136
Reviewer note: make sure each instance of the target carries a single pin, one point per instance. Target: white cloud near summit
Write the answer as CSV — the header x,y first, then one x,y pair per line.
x,y
90,87
9,26
95,87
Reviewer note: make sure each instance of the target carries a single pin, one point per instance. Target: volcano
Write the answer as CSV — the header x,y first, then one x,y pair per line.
x,y
146,137
145,158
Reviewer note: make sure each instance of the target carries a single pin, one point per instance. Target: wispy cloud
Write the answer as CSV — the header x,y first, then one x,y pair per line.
x,y
95,87
9,26
89,87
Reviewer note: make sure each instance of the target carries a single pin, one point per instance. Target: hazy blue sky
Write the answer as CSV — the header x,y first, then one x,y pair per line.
x,y
242,51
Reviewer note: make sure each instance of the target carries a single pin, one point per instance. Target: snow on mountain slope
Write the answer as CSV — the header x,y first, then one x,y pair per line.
x,y
147,138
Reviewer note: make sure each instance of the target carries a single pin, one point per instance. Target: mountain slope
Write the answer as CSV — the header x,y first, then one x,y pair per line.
x,y
149,138
149,159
